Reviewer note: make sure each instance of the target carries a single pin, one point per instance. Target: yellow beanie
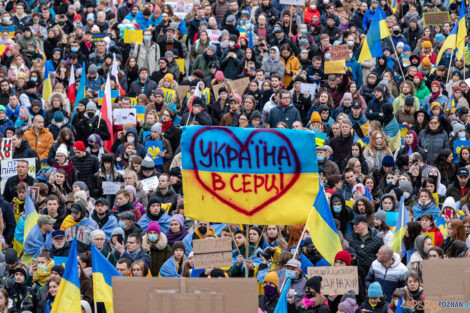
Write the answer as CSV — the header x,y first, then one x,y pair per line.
x,y
315,117
434,104
426,61
272,278
168,76
427,44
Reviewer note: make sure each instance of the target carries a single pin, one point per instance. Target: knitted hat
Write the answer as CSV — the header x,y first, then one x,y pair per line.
x,y
315,117
59,269
11,256
159,91
2,108
147,163
59,116
426,61
272,278
222,89
375,290
96,233
80,185
435,104
132,189
168,76
21,270
199,74
343,256
406,48
388,161
348,306
436,83
212,47
219,76
179,218
450,203
91,106
92,69
62,150
178,245
439,38
406,186
151,201
418,75
157,127
410,101
427,44
381,215
456,88
154,226
314,283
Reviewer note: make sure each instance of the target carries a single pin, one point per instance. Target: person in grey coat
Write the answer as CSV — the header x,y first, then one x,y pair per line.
x,y
273,65
147,54
433,139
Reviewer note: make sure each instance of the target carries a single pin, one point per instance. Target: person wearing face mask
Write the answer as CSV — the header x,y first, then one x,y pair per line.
x,y
131,136
155,243
311,11
327,166
312,300
91,125
408,194
341,212
203,230
292,271
270,297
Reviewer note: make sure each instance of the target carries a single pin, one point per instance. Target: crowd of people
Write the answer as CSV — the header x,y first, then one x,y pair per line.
x,y
390,122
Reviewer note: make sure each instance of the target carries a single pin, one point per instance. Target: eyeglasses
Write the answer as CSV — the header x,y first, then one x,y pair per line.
x,y
434,122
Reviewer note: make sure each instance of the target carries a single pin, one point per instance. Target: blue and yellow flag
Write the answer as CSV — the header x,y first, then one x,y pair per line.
x,y
81,90
322,228
46,85
68,296
103,272
249,176
461,32
378,30
449,43
394,6
451,105
357,139
400,228
281,306
30,219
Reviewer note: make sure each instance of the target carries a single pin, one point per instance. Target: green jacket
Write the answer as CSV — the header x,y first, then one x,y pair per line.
x,y
422,92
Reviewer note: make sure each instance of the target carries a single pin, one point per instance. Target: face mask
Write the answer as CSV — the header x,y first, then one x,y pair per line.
x,y
59,124
224,44
6,19
303,31
407,195
389,181
313,7
122,224
309,294
90,114
290,274
379,147
147,38
202,230
351,43
153,238
41,266
337,208
74,49
231,44
276,29
131,139
33,78
61,23
320,158
396,32
270,292
355,155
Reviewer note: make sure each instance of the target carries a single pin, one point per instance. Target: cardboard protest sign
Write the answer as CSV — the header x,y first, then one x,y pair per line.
x,y
250,176
149,183
335,67
212,252
339,52
180,63
189,295
110,187
337,280
154,147
310,89
215,88
9,169
458,145
435,18
6,149
124,116
181,91
170,95
447,285
133,36
241,84
214,35
292,2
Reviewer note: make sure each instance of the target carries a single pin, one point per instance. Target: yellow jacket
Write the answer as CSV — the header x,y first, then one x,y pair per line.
x,y
40,143
41,276
293,65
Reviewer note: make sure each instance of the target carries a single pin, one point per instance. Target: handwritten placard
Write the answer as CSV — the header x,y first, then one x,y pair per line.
x,y
149,183
435,18
339,52
6,149
337,280
9,169
212,252
214,35
292,2
110,187
123,116
310,89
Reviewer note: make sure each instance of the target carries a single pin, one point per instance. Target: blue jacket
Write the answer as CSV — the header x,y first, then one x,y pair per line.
x,y
356,70
15,113
94,84
419,210
141,151
138,255
168,269
367,19
141,20
4,124
35,242
163,221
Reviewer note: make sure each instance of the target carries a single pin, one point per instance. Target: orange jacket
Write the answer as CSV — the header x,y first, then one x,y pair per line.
x,y
40,143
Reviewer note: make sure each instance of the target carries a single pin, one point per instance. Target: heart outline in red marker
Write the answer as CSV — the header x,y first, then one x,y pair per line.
x,y
244,146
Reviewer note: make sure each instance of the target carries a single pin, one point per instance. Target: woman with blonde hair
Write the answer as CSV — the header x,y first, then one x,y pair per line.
x,y
139,269
17,66
131,179
376,150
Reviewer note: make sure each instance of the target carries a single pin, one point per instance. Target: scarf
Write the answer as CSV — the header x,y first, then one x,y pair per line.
x,y
434,96
68,223
166,125
18,207
67,168
172,237
126,207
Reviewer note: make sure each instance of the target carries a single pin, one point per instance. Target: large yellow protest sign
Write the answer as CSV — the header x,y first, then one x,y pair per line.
x,y
133,36
335,67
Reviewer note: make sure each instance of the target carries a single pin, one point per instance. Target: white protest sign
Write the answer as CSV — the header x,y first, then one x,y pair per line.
x,y
110,187
310,89
123,116
150,183
214,35
292,2
6,149
9,169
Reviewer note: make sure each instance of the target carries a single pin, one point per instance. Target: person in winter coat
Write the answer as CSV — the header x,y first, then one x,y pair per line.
x,y
39,137
429,227
422,246
62,161
341,212
206,60
5,122
273,65
9,222
143,85
366,250
89,125
433,139
231,59
374,106
284,112
388,271
367,89
102,215
20,293
313,302
380,224
461,186
375,303
268,300
107,173
341,144
59,122
425,204
415,288
435,96
155,243
198,114
84,163
422,90
410,144
147,54
132,136
291,64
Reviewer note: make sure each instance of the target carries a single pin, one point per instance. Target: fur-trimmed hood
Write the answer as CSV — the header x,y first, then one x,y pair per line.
x,y
161,243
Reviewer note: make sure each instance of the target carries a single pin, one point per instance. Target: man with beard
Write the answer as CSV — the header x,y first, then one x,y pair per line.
x,y
161,28
59,246
406,115
106,221
169,43
5,92
163,70
143,85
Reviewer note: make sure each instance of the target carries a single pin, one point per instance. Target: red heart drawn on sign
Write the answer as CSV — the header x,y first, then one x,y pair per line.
x,y
244,146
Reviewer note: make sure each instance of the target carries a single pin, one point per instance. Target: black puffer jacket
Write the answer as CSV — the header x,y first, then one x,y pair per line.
x,y
86,167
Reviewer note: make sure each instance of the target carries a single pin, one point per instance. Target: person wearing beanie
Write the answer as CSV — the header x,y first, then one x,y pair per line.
x,y
314,300
343,258
5,122
270,296
155,243
380,224
155,213
349,305
374,302
173,266
177,231
204,55
20,291
435,96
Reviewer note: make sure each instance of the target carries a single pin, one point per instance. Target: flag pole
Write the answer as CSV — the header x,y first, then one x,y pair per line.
x,y
398,58
450,64
247,248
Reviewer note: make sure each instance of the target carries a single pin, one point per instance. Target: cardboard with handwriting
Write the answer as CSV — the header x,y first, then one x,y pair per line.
x,y
337,280
213,252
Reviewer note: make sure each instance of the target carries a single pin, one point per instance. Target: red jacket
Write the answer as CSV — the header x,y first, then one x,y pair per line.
x,y
436,236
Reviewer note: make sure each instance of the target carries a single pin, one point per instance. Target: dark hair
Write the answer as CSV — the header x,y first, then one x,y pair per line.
x,y
413,275
438,250
85,257
63,133
333,180
414,230
138,238
125,260
456,249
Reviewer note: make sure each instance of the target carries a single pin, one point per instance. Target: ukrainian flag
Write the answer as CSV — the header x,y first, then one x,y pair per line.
x,y
68,296
400,227
394,6
30,219
103,272
451,105
449,43
81,90
281,306
461,32
46,85
322,228
320,137
377,31
356,138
